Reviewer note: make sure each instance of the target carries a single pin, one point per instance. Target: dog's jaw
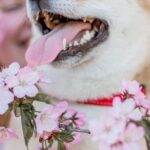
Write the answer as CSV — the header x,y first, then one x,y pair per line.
x,y
120,57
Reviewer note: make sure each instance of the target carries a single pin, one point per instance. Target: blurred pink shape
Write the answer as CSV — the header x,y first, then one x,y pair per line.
x,y
1,37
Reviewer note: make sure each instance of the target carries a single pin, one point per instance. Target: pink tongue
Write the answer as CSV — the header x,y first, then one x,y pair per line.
x,y
46,49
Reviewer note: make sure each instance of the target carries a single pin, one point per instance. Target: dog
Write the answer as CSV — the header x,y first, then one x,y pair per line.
x,y
88,58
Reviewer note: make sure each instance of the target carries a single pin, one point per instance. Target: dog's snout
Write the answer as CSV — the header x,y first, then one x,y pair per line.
x,y
35,1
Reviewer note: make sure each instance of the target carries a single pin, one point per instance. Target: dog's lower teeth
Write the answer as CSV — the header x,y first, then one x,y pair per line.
x,y
87,36
64,44
83,41
92,33
70,44
76,43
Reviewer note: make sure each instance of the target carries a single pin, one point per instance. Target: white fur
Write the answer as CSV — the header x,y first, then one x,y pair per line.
x,y
122,55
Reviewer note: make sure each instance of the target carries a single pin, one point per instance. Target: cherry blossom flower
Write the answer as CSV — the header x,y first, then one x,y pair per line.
x,y
80,121
110,135
47,120
6,134
130,138
79,117
140,99
132,87
24,83
104,129
6,97
126,110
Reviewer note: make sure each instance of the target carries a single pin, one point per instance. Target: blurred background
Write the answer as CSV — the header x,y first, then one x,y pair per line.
x,y
15,32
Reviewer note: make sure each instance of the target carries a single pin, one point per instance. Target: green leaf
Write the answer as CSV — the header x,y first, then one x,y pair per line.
x,y
27,122
42,98
66,136
146,124
61,146
50,143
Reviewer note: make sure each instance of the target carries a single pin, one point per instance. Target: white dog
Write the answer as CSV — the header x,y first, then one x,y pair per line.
x,y
90,57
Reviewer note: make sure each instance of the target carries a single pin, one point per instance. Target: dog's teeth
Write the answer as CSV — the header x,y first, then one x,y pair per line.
x,y
92,33
75,43
90,20
87,36
83,41
64,44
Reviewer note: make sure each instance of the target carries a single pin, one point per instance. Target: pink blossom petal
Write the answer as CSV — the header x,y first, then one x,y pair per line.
x,y
128,105
59,109
14,68
12,133
47,125
19,91
136,115
44,77
132,131
132,87
45,121
34,77
31,90
12,81
131,146
6,96
81,119
70,112
104,146
3,108
6,134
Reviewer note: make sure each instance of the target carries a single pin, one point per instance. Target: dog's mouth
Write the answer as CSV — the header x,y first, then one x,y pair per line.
x,y
65,37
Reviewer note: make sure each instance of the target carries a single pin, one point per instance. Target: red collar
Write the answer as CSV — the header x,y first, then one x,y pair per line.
x,y
108,102
104,101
